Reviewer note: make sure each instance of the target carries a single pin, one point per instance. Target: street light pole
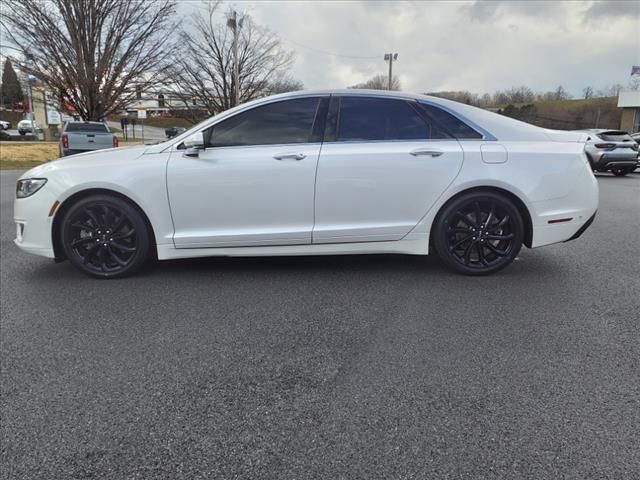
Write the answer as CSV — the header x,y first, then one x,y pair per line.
x,y
390,57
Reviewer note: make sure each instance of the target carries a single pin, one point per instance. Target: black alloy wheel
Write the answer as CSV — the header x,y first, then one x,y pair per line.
x,y
105,236
478,233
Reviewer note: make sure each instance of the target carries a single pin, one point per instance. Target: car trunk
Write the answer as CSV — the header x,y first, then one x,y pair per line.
x,y
90,140
567,136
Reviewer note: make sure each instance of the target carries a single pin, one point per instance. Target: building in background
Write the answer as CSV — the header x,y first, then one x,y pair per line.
x,y
160,103
629,101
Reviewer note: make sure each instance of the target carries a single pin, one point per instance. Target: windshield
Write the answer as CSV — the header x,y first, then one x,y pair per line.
x,y
87,127
615,136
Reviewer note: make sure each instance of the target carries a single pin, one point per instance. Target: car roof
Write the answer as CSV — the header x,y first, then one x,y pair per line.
x,y
492,125
614,132
495,125
88,122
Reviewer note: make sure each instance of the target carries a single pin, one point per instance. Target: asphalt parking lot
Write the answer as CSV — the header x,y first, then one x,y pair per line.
x,y
328,367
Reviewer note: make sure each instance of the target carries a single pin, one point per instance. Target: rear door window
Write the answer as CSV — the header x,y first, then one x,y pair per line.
x,y
371,119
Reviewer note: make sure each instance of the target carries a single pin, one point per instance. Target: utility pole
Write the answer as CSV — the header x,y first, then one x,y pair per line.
x,y
32,80
390,57
235,24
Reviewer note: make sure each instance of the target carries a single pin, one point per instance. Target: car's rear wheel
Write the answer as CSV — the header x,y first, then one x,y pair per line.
x,y
478,233
105,236
621,172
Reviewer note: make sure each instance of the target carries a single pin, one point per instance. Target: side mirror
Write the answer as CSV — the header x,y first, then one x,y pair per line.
x,y
193,143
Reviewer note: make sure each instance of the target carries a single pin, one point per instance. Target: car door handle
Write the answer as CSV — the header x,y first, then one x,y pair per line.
x,y
289,156
421,152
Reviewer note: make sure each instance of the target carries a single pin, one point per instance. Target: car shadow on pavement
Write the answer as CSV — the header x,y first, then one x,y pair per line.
x,y
526,265
610,176
299,264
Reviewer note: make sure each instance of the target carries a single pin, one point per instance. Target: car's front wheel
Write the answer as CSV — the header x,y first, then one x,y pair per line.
x,y
105,236
478,233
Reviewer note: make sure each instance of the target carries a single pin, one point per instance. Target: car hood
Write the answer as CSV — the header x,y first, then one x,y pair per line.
x,y
88,160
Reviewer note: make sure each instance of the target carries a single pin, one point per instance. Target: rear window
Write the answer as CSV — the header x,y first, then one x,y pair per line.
x,y
451,124
615,137
86,127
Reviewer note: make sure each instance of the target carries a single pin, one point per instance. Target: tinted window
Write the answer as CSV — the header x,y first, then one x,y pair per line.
x,y
86,127
451,124
289,121
380,119
615,136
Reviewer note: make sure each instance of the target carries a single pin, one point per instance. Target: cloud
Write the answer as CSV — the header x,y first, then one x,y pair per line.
x,y
613,8
442,45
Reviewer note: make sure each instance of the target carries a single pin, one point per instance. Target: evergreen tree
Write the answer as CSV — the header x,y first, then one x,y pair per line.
x,y
11,91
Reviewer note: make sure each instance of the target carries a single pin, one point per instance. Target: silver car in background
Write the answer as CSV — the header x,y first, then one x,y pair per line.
x,y
636,137
611,150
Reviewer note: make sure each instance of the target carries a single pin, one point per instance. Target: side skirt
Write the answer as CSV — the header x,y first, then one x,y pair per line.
x,y
416,245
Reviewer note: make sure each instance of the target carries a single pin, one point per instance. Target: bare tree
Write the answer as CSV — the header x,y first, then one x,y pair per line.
x,y
95,53
458,96
202,77
285,84
485,100
610,91
380,82
587,92
561,94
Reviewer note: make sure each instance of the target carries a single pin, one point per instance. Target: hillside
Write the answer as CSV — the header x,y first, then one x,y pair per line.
x,y
567,114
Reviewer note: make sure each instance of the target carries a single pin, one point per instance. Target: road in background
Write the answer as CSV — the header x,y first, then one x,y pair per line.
x,y
328,367
150,133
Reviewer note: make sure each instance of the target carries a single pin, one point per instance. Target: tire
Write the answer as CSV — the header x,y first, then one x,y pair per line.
x,y
478,233
620,172
105,236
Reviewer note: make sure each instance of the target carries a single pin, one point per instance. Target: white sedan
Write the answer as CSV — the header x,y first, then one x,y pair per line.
x,y
316,173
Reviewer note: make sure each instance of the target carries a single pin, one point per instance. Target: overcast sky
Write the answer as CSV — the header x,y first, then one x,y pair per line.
x,y
455,45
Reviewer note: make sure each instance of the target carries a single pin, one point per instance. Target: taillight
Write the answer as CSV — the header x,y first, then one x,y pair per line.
x,y
65,141
605,145
115,141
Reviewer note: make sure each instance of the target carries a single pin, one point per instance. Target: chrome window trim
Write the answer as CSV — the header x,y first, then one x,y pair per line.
x,y
292,145
413,140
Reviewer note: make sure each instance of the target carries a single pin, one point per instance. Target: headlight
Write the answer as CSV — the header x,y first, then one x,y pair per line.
x,y
29,186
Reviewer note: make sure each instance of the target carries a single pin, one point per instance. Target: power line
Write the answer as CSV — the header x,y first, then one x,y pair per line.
x,y
333,54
